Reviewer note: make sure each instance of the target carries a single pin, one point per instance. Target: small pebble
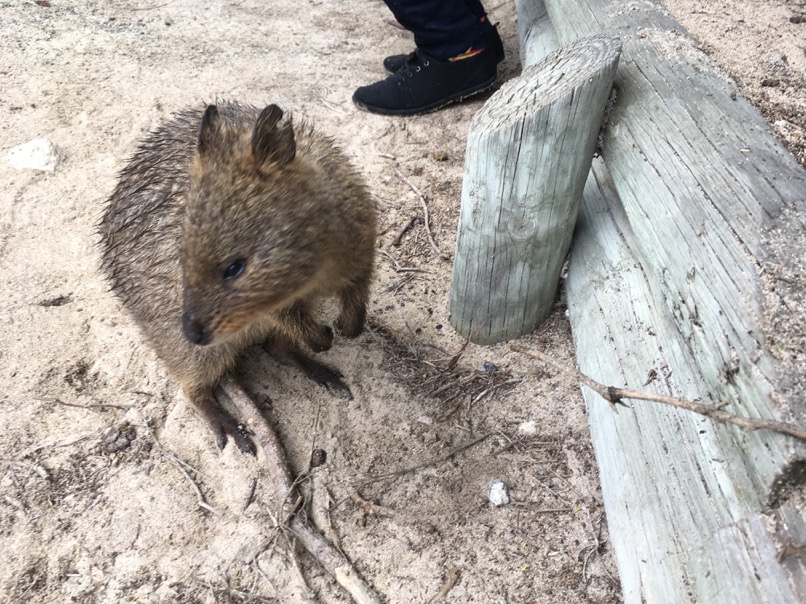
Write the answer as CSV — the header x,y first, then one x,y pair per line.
x,y
528,428
426,419
498,493
488,367
318,457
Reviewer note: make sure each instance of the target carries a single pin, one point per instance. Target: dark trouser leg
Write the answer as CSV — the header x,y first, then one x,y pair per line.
x,y
441,28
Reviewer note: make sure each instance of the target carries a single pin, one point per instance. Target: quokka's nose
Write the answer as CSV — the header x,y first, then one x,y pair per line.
x,y
194,330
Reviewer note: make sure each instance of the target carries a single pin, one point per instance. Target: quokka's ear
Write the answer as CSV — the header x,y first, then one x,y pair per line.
x,y
207,130
273,141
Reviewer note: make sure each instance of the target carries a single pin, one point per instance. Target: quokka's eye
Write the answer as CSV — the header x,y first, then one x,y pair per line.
x,y
234,270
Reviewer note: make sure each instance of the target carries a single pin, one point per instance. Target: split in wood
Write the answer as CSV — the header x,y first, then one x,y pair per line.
x,y
615,397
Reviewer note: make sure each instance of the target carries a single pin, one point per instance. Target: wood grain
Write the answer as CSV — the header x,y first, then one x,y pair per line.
x,y
667,291
528,154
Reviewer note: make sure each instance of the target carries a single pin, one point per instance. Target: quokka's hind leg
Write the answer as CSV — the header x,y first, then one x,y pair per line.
x,y
220,421
354,300
298,323
285,351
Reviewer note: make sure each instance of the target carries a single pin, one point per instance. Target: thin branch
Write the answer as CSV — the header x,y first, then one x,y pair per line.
x,y
455,358
267,541
183,466
329,558
450,581
409,225
615,395
397,267
48,399
426,219
433,462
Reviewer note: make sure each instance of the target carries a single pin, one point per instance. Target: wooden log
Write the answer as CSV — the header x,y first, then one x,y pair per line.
x,y
678,489
667,291
534,31
528,153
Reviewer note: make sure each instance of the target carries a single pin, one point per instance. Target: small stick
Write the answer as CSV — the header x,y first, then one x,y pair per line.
x,y
199,496
493,389
48,399
396,287
449,385
615,395
264,545
398,268
425,215
458,355
426,464
535,510
450,581
183,466
790,549
250,494
409,225
329,558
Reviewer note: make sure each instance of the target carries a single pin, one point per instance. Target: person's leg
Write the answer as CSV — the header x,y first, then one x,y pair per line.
x,y
476,8
441,28
451,62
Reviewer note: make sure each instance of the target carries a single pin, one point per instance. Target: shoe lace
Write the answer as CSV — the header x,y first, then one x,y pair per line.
x,y
414,63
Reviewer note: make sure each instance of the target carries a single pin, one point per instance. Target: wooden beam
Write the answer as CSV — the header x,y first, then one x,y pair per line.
x,y
670,289
528,153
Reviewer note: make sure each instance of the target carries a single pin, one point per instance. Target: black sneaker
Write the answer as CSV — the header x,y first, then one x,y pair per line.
x,y
424,84
494,43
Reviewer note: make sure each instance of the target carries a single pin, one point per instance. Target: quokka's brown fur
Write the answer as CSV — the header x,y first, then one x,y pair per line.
x,y
224,228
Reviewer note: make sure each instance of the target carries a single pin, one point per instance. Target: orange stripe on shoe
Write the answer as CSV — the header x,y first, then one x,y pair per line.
x,y
470,52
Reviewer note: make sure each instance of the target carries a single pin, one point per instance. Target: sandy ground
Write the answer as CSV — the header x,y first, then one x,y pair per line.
x,y
98,446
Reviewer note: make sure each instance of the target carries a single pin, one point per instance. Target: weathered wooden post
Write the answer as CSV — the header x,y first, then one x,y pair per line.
x,y
686,276
528,154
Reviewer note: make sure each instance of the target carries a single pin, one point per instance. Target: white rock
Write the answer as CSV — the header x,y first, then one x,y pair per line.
x,y
38,154
498,493
528,428
426,419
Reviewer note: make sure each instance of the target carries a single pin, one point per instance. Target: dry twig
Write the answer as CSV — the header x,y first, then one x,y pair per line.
x,y
397,267
409,225
183,467
48,399
433,462
455,358
791,549
616,395
336,564
426,219
450,581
